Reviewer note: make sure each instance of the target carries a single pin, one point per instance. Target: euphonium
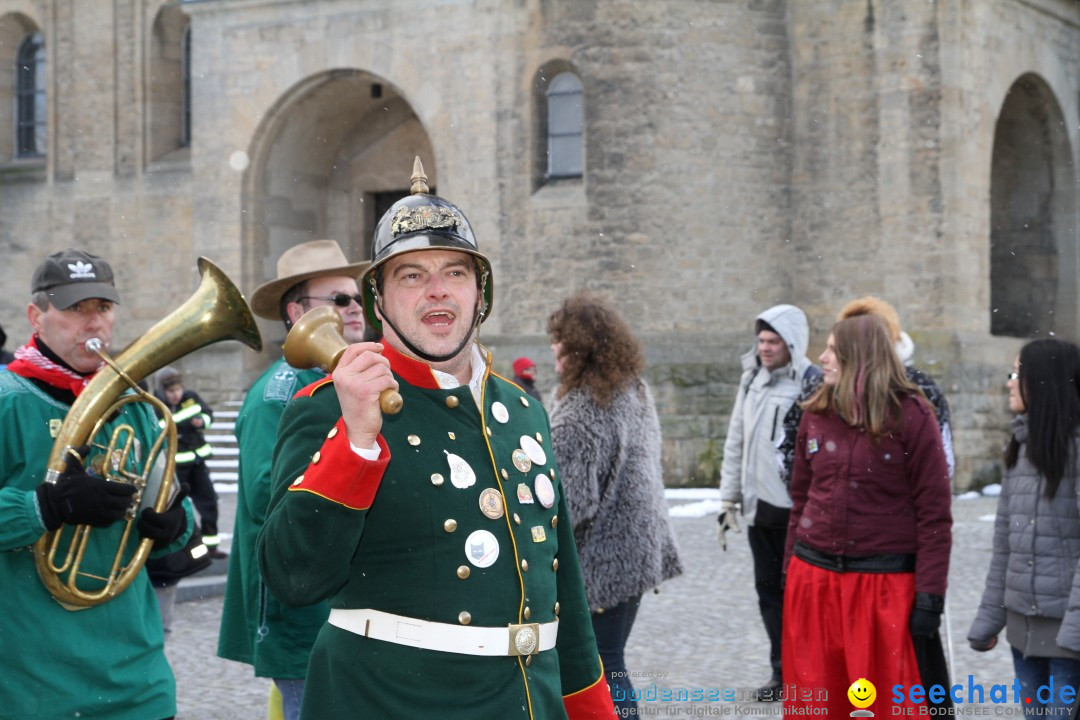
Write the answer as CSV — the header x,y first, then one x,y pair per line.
x,y
217,311
316,341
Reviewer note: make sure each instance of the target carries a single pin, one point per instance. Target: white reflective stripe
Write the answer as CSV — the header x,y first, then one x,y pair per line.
x,y
185,457
207,421
187,413
426,635
205,451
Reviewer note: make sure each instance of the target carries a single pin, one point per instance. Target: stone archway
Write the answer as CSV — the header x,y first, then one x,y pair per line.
x,y
1033,221
332,149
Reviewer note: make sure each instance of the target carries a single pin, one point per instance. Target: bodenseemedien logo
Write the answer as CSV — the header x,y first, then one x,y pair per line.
x,y
1003,699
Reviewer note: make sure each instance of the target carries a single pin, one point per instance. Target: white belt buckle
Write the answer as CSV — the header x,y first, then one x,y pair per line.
x,y
524,639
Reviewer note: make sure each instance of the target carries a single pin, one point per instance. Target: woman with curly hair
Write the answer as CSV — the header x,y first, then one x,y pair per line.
x,y
606,437
870,530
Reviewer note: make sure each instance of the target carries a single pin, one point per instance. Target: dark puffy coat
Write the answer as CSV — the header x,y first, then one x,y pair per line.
x,y
1036,551
609,458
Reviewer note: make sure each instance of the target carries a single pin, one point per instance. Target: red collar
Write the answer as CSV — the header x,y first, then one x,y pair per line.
x,y
415,372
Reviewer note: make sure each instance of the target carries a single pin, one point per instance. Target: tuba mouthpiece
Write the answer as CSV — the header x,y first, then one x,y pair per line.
x,y
93,345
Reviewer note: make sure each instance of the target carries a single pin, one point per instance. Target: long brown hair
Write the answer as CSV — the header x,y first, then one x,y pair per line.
x,y
872,382
599,351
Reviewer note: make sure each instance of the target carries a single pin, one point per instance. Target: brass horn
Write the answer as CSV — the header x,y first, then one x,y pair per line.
x,y
217,311
316,340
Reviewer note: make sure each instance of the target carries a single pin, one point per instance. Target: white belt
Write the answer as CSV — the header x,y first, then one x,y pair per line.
x,y
513,640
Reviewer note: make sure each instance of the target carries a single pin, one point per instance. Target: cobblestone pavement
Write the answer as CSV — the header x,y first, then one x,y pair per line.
x,y
701,631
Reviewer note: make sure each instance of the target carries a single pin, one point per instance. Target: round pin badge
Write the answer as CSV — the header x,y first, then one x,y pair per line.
x,y
491,503
461,475
545,491
521,460
481,548
533,449
499,412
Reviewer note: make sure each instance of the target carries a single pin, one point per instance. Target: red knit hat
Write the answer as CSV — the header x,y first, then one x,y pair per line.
x,y
522,363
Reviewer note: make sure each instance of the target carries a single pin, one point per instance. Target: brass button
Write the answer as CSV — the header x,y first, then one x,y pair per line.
x,y
556,608
437,479
450,525
463,572
316,457
555,564
451,401
414,440
298,480
528,660
506,475
488,431
524,401
599,611
332,433
555,521
464,617
539,438
451,435
526,613
524,565
517,519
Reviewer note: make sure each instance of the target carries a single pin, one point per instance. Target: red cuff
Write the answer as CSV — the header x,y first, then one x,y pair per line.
x,y
592,702
340,475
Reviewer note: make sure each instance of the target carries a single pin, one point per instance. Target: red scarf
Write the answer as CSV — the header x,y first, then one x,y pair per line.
x,y
30,362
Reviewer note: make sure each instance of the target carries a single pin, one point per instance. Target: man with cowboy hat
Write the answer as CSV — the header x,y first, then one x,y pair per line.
x,y
439,534
255,627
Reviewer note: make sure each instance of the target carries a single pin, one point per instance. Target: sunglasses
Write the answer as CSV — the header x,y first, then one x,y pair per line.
x,y
339,299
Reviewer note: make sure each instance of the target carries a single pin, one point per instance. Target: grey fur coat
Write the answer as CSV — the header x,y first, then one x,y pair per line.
x,y
1033,569
609,459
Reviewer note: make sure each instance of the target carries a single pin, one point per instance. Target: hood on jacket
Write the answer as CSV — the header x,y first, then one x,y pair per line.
x,y
789,322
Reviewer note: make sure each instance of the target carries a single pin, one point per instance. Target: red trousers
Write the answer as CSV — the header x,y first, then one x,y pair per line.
x,y
840,627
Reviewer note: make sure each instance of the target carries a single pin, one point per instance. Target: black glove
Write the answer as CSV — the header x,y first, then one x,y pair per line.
x,y
165,528
926,615
983,645
79,498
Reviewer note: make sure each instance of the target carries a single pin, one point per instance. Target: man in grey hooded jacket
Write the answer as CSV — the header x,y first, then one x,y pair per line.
x,y
752,474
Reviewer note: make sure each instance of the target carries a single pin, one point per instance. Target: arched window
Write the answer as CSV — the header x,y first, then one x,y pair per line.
x,y
565,127
30,130
185,120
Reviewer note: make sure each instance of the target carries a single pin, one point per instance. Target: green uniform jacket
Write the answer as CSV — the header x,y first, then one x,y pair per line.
x,y
256,628
400,535
106,661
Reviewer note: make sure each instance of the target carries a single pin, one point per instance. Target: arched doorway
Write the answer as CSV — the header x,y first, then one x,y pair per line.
x,y
1033,223
333,151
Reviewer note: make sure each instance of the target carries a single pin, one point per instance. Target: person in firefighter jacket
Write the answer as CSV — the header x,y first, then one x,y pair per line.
x,y
192,416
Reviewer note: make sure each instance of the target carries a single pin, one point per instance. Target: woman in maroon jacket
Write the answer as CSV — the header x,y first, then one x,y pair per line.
x,y
870,530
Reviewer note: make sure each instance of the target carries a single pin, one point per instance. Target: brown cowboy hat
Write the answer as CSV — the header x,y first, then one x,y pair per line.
x,y
317,258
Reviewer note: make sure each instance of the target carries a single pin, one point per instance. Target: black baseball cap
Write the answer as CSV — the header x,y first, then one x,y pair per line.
x,y
71,276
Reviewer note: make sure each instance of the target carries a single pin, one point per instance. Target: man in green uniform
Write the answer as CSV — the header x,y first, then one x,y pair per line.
x,y
105,661
439,535
255,627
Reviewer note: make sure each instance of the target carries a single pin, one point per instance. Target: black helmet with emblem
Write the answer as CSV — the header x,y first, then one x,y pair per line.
x,y
422,221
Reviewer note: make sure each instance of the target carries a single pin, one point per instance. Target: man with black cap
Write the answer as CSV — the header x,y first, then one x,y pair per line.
x,y
113,661
752,475
255,627
438,534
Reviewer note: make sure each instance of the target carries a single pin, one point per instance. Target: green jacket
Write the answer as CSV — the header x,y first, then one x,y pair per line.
x,y
256,628
112,660
399,534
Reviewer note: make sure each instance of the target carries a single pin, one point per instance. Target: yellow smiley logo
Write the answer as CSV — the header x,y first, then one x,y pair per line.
x,y
862,693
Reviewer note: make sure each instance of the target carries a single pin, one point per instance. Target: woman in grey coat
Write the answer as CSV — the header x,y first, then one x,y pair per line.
x,y
606,438
1033,587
